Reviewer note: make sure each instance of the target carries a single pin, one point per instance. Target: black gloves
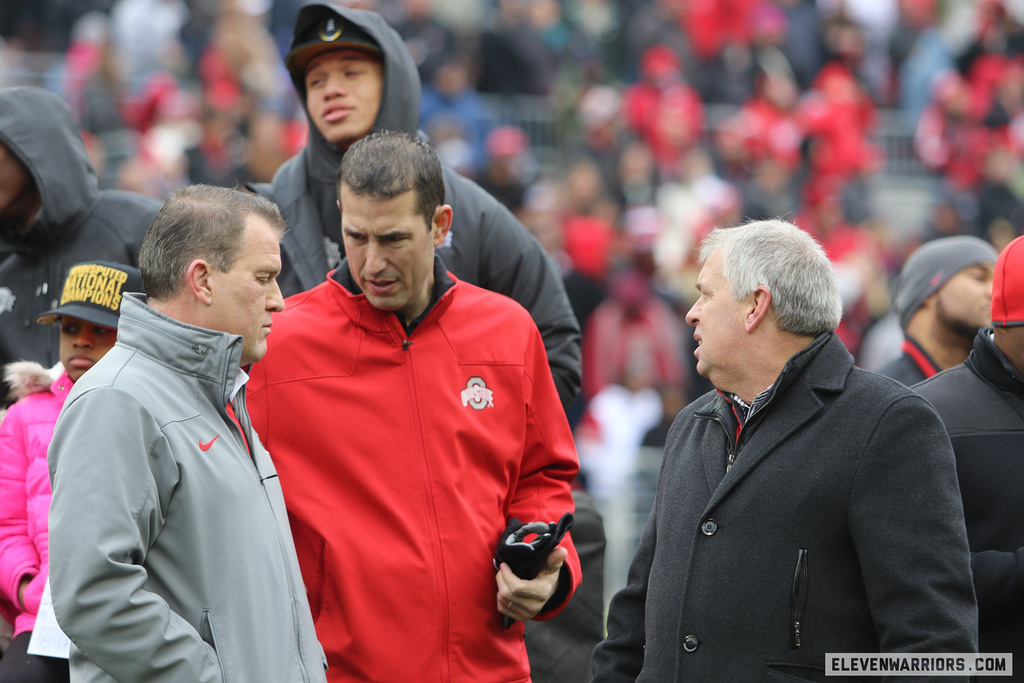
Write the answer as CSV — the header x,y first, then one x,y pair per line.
x,y
525,547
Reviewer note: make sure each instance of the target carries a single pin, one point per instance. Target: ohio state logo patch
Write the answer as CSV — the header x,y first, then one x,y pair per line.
x,y
476,395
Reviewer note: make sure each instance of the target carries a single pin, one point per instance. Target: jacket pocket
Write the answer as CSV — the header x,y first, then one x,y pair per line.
x,y
311,549
798,598
208,632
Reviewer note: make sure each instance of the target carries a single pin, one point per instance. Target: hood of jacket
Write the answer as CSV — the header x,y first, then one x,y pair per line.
x,y
26,377
37,127
400,100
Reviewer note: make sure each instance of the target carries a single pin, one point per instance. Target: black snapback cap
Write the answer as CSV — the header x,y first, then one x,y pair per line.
x,y
318,30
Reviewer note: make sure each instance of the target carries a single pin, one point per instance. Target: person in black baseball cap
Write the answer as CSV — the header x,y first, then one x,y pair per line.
x,y
324,31
338,69
88,312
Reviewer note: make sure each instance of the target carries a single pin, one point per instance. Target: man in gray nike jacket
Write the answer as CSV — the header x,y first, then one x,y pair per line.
x,y
171,557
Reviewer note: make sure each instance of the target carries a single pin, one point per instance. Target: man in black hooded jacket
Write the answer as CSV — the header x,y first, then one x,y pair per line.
x,y
53,214
354,74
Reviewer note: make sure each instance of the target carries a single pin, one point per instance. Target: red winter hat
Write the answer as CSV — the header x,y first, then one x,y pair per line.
x,y
1008,286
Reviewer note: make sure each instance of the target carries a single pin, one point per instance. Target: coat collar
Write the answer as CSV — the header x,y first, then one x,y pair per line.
x,y
989,362
443,282
213,357
920,357
823,366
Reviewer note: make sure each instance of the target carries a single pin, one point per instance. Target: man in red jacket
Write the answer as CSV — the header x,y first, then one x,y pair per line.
x,y
412,416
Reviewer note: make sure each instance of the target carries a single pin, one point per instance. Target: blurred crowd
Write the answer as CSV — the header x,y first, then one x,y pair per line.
x,y
673,116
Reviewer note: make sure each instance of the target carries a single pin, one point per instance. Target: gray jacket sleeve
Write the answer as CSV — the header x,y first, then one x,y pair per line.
x,y
111,488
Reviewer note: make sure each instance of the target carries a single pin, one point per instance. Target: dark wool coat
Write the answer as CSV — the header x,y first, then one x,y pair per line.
x,y
838,529
982,405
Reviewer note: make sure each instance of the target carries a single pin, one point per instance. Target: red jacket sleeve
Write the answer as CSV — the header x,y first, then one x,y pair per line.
x,y
544,490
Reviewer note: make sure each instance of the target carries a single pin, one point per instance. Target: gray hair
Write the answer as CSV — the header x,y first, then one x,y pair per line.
x,y
790,263
198,221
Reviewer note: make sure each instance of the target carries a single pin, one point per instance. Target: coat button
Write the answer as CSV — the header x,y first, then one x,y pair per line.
x,y
690,643
709,527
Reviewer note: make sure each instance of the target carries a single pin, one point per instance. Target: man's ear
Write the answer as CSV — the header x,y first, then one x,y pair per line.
x,y
197,277
441,223
762,301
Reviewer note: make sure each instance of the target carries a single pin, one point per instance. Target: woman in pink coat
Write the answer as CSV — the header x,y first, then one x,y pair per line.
x,y
87,316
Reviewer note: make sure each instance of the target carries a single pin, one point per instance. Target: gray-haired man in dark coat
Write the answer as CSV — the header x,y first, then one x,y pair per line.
x,y
804,507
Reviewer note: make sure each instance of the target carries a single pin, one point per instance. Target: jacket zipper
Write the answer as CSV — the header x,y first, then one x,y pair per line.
x,y
430,495
731,448
799,596
244,425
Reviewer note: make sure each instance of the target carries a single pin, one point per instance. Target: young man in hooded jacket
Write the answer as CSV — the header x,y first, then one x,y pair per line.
x,y
53,214
354,74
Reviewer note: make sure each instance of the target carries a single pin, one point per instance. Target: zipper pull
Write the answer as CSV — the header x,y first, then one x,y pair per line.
x,y
796,634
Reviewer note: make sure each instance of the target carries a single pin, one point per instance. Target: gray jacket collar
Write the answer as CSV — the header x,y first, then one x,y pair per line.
x,y
211,356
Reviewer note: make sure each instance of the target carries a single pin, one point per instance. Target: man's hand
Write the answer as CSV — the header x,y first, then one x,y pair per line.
x,y
522,600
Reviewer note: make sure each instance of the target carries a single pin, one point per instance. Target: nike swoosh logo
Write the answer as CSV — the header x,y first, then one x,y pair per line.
x,y
206,446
